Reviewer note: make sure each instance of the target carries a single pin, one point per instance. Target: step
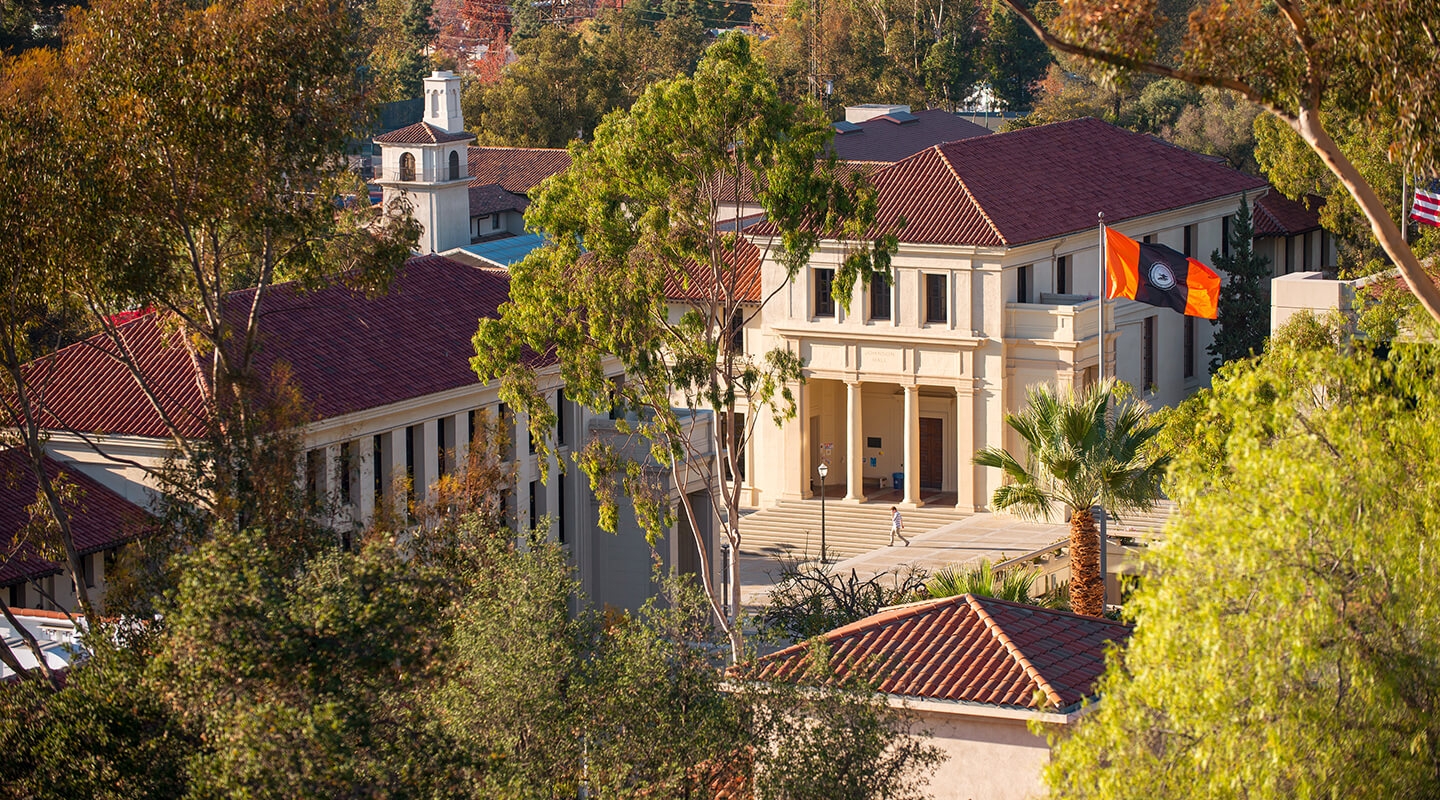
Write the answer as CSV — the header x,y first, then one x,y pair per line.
x,y
793,527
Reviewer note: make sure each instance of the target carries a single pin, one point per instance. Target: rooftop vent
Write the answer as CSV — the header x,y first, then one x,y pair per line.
x,y
870,111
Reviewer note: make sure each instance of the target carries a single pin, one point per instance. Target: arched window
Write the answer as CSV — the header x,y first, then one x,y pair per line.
x,y
407,167
454,165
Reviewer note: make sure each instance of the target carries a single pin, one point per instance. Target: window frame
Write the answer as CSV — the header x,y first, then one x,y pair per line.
x,y
937,307
823,294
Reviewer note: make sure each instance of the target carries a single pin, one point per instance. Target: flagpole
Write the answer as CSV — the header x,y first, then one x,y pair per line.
x,y
1101,295
1104,588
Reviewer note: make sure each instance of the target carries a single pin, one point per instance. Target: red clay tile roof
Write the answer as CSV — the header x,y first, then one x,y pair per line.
x,y
100,520
518,169
1277,215
85,388
967,648
492,197
422,133
1042,182
883,139
346,352
744,259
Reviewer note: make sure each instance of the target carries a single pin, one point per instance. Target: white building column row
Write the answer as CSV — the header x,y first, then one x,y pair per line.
x,y
912,446
855,443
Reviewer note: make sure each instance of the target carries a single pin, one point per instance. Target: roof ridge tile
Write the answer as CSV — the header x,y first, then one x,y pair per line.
x,y
974,201
1013,649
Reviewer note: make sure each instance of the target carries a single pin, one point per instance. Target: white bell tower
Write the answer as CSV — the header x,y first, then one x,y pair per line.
x,y
428,163
442,102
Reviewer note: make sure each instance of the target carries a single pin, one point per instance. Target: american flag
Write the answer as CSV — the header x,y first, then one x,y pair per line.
x,y
1426,209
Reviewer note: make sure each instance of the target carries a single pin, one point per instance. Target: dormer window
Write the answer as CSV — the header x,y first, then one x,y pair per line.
x,y
407,167
454,165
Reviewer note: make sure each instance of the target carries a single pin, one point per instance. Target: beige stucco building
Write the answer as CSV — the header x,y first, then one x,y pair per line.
x,y
994,289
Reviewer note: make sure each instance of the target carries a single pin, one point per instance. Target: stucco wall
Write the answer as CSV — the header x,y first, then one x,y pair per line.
x,y
985,759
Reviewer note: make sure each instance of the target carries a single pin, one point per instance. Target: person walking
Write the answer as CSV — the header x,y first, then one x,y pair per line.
x,y
897,524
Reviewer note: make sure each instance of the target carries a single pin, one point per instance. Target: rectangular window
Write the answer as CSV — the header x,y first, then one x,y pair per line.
x,y
560,512
1149,351
444,443
879,297
377,460
1190,241
562,410
1289,254
726,443
534,504
347,459
1189,347
1062,275
1022,284
824,301
410,462
87,567
1149,238
1305,245
935,310
315,475
1225,235
617,408
495,223
737,331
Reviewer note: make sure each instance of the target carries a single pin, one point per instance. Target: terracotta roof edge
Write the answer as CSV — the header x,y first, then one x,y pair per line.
x,y
1001,636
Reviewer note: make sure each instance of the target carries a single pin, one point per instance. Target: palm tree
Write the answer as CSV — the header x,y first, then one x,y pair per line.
x,y
1080,456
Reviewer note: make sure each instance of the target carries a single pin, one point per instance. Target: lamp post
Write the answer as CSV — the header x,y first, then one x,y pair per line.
x,y
824,470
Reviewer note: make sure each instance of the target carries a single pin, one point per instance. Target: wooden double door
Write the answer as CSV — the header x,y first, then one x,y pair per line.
x,y
932,453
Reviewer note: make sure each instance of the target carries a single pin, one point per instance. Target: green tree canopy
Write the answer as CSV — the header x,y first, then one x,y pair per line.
x,y
1080,454
1284,643
650,199
1244,320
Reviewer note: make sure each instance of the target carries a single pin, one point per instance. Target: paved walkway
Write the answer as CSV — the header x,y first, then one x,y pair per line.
x,y
984,535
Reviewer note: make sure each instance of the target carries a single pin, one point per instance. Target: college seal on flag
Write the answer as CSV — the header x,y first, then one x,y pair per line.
x,y
1161,276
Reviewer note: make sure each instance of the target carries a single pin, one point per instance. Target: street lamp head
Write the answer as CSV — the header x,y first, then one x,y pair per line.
x,y
824,469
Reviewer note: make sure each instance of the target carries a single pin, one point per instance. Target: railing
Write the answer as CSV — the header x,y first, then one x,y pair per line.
x,y
1058,322
438,174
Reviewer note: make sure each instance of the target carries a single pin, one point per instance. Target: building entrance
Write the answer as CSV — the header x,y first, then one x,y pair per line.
x,y
932,452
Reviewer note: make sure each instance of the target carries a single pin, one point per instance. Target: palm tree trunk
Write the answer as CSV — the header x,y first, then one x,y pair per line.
x,y
1087,586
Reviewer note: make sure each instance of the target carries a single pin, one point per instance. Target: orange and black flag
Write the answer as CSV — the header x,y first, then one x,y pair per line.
x,y
1160,276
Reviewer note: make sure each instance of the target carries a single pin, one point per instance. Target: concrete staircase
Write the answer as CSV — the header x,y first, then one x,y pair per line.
x,y
792,528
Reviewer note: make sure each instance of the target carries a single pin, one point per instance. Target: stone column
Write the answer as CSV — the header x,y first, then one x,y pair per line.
x,y
965,499
460,425
364,494
795,434
855,443
427,457
912,446
397,469
330,483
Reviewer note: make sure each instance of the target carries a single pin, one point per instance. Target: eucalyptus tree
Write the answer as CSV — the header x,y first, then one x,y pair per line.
x,y
1306,63
647,213
1080,454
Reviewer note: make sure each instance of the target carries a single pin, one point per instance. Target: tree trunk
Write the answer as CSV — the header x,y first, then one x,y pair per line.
x,y
1087,586
1387,233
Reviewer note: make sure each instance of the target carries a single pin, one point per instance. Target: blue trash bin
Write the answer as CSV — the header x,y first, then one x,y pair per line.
x,y
898,480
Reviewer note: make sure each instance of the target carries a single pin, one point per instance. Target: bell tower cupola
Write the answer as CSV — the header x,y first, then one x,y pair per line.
x,y
442,101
